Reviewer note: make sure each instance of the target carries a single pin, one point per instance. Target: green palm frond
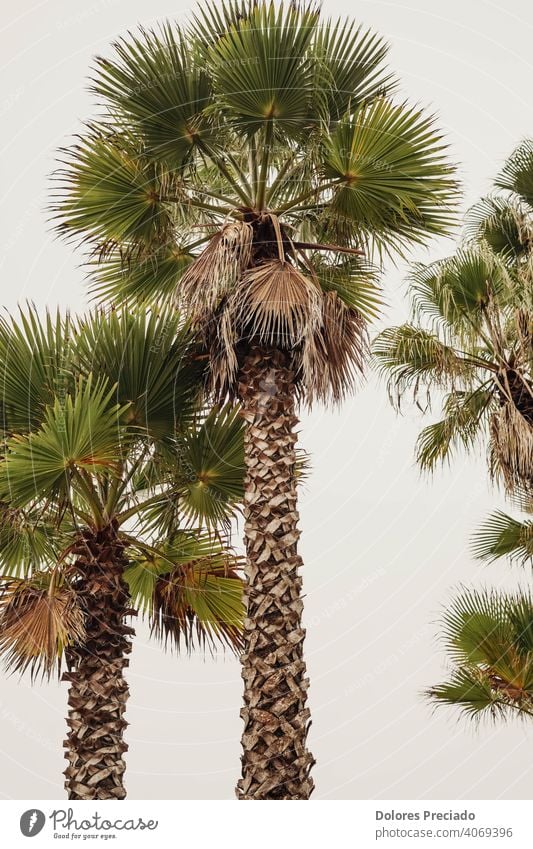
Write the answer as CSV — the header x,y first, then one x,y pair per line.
x,y
349,66
197,478
81,434
27,543
190,589
411,357
517,173
211,467
34,357
471,693
464,422
160,84
150,561
503,536
395,184
146,355
355,282
149,279
262,71
458,289
489,638
212,19
503,223
109,193
199,603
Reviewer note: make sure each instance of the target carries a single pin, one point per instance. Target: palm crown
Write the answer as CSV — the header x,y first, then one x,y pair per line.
x,y
252,165
126,448
472,335
110,470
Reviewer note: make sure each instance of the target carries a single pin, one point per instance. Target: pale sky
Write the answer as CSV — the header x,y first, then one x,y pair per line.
x,y
383,548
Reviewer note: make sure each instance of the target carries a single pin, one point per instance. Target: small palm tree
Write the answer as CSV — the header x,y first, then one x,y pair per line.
x,y
472,335
107,475
252,166
489,638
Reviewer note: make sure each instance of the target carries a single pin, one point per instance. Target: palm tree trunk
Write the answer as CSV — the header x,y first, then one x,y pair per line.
x,y
275,760
98,690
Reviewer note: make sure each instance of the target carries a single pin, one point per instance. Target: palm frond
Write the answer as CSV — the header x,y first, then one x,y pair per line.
x,y
354,280
210,467
34,357
504,224
160,84
470,692
136,281
457,290
39,617
462,426
199,601
109,193
276,304
394,182
146,355
216,271
27,542
262,70
334,356
81,431
349,66
489,638
411,357
517,173
511,447
503,536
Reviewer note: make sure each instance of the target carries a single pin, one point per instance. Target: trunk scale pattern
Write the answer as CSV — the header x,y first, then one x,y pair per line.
x,y
275,761
98,690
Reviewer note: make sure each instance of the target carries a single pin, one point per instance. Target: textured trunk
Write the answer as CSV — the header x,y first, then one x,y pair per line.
x,y
275,760
98,691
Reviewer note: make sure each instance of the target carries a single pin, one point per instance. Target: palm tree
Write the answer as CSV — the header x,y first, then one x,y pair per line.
x,y
472,335
472,338
489,638
108,474
252,166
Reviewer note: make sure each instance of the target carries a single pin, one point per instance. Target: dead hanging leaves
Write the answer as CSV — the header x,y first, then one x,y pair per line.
x,y
216,271
40,616
511,448
271,303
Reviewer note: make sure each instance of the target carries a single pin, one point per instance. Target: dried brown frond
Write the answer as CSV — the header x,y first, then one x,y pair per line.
x,y
511,448
275,304
39,617
200,602
335,354
216,271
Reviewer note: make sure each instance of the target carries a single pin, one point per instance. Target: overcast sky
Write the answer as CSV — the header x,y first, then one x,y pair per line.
x,y
383,548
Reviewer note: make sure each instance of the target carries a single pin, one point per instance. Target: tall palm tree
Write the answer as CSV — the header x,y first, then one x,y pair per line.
x,y
108,475
472,335
252,166
489,639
